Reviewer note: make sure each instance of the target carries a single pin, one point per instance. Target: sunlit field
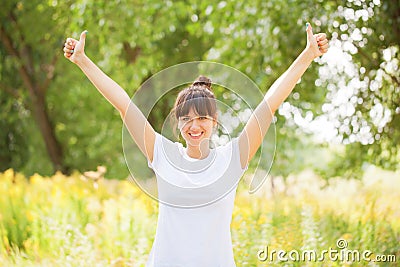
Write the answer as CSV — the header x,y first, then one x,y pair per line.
x,y
71,221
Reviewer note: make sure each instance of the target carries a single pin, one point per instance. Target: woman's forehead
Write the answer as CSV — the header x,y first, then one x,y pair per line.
x,y
192,113
194,109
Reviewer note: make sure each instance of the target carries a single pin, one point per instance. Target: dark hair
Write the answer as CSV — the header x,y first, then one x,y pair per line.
x,y
197,96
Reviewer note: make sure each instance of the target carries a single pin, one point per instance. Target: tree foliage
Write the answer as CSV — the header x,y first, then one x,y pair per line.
x,y
53,118
368,32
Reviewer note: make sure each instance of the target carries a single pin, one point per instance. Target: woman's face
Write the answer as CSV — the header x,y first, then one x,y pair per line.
x,y
194,128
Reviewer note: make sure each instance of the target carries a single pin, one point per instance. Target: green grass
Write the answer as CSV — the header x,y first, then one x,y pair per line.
x,y
69,221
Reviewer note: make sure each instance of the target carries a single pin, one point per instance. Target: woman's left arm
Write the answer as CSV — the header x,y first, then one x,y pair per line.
x,y
253,133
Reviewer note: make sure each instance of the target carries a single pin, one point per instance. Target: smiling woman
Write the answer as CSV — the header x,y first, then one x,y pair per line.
x,y
196,185
196,111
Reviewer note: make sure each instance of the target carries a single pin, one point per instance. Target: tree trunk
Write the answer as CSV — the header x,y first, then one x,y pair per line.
x,y
46,128
41,116
37,97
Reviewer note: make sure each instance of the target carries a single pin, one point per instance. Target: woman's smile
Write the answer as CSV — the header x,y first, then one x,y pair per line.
x,y
196,135
195,128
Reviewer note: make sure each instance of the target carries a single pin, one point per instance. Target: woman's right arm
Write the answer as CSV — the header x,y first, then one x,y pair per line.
x,y
138,126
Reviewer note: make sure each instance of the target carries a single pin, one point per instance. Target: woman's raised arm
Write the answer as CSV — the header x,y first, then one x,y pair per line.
x,y
257,126
138,126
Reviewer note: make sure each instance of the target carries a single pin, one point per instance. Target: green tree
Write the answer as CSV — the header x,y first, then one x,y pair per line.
x,y
29,57
66,124
368,32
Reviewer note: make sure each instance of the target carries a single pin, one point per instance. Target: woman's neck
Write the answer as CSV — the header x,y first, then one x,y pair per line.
x,y
198,152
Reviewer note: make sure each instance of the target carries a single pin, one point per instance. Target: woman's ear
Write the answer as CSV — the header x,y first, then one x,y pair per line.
x,y
215,120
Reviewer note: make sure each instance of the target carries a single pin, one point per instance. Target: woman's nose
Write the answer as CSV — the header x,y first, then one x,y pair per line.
x,y
194,123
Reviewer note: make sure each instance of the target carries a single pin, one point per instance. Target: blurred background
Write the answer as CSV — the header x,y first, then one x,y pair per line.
x,y
336,169
342,116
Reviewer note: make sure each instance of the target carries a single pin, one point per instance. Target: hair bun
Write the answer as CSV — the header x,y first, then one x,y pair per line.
x,y
203,81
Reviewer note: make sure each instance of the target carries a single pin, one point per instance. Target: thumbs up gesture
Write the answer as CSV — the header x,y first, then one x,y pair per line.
x,y
74,50
317,44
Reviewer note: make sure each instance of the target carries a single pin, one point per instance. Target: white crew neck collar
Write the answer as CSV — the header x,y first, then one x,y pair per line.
x,y
183,151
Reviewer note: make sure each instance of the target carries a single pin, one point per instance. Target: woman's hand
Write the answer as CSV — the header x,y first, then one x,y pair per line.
x,y
317,44
75,50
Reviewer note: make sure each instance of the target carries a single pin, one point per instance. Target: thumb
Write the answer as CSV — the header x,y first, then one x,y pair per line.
x,y
83,37
310,34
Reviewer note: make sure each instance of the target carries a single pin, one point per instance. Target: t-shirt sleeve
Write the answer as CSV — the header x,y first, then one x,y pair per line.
x,y
156,155
232,151
236,154
161,143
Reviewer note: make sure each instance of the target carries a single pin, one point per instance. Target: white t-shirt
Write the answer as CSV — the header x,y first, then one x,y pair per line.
x,y
196,200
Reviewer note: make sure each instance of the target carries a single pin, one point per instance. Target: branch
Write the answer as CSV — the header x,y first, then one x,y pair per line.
x,y
25,51
10,90
376,64
131,53
361,52
394,78
6,40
